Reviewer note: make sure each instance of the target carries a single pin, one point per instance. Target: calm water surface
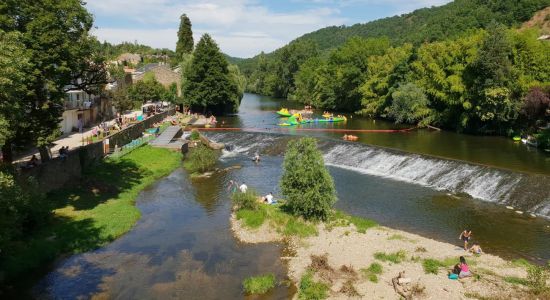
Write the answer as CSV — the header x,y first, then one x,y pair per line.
x,y
258,112
182,248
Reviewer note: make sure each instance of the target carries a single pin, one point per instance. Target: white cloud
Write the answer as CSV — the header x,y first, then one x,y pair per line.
x,y
241,27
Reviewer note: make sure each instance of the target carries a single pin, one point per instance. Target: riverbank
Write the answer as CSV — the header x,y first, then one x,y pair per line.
x,y
352,262
94,213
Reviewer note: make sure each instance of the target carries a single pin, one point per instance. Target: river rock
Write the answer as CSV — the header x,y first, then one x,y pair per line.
x,y
509,207
519,212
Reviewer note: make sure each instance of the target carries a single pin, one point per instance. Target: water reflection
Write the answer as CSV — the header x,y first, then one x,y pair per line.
x,y
181,248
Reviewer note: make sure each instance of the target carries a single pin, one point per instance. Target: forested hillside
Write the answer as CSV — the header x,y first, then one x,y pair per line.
x,y
462,66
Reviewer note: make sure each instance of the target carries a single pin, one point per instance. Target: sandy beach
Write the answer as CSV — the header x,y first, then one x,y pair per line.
x,y
347,251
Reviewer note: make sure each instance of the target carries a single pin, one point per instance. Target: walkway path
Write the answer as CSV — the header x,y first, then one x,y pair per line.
x,y
73,140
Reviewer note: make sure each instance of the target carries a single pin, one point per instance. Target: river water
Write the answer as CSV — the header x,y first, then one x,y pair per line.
x,y
258,113
182,246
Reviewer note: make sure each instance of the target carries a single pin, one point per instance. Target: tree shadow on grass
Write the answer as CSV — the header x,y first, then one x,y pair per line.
x,y
65,236
105,181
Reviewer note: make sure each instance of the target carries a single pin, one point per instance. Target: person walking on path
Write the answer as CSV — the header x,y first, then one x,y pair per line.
x,y
465,236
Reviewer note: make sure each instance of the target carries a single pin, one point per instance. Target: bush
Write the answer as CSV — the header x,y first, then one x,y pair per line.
x,y
396,257
536,279
20,209
248,200
201,159
306,183
310,289
259,284
372,272
194,135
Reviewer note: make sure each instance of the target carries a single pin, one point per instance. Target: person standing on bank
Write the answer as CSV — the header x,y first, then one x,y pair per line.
x,y
465,236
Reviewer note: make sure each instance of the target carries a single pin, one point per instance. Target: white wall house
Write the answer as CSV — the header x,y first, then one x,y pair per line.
x,y
79,105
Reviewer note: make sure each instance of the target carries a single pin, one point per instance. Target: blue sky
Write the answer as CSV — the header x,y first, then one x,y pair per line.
x,y
242,28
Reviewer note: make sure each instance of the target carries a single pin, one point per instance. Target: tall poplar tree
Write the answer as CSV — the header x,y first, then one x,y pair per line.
x,y
185,38
209,84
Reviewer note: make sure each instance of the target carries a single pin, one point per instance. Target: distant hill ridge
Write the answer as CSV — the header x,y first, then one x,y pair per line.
x,y
424,25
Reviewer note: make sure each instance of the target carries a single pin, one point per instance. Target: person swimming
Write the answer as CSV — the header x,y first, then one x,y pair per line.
x,y
476,249
256,157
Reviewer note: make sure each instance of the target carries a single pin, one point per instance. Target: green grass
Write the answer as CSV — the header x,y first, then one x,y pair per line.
x,y
341,219
396,257
516,280
259,284
279,219
251,218
94,213
372,272
310,289
248,200
296,227
431,266
521,262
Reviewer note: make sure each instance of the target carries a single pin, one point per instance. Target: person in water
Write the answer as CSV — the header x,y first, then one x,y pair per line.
x,y
465,236
256,157
476,249
232,186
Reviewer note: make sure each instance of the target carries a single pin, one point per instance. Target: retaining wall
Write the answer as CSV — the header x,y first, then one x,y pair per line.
x,y
57,172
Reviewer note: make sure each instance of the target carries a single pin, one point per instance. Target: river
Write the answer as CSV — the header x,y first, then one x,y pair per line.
x,y
182,246
258,113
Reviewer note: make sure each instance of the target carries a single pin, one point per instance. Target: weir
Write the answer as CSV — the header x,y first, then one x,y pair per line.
x,y
526,192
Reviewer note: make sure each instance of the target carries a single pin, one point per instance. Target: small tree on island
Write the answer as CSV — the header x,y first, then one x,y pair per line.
x,y
306,184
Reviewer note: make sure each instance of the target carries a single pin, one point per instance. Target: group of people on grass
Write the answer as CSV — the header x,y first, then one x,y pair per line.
x,y
243,188
462,270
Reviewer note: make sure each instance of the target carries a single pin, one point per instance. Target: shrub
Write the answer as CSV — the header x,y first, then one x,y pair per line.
x,y
310,289
21,210
194,135
259,284
306,183
201,159
396,257
536,279
248,200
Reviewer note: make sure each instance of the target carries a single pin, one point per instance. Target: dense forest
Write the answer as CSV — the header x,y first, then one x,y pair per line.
x,y
463,66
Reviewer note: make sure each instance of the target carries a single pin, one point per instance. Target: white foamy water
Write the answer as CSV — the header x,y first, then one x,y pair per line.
x,y
531,192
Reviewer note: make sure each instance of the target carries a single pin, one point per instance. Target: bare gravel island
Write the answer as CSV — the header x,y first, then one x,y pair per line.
x,y
355,265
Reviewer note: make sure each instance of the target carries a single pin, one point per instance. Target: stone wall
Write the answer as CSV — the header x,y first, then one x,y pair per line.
x,y
135,131
58,172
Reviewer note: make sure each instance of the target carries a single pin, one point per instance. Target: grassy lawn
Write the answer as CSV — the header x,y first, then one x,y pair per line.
x,y
93,214
290,225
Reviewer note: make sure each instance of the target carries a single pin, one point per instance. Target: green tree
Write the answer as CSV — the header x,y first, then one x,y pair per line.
x,y
492,80
61,53
148,89
208,83
15,73
185,38
306,183
346,71
385,73
409,105
121,100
